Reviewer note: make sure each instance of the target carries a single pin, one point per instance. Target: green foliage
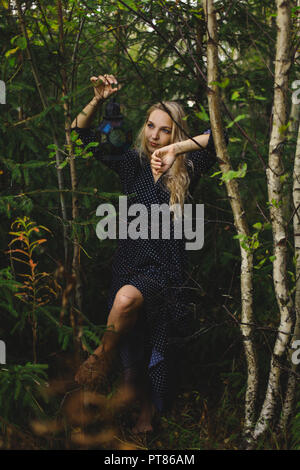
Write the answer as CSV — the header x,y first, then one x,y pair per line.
x,y
295,429
8,287
20,389
156,50
37,288
237,119
231,174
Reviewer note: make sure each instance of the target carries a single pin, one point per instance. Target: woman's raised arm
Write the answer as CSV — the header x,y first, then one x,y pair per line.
x,y
163,158
103,88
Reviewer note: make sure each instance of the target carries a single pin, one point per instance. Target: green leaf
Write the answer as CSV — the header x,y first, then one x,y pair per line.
x,y
130,3
62,164
237,119
225,82
261,98
202,115
74,136
231,174
215,174
17,389
11,51
91,144
34,164
260,264
284,177
235,95
65,342
21,42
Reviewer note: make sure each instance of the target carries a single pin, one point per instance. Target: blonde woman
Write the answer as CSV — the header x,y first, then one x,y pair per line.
x,y
147,305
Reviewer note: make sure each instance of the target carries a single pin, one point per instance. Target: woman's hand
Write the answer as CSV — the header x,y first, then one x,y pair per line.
x,y
162,159
103,86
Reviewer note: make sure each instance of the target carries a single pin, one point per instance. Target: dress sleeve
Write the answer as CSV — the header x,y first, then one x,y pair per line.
x,y
124,164
202,160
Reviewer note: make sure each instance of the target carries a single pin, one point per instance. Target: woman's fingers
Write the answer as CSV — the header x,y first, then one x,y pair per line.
x,y
105,85
156,167
155,164
117,88
95,81
105,79
156,156
112,79
108,79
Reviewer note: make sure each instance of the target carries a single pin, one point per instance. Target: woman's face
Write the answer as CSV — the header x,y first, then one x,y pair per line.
x,y
158,130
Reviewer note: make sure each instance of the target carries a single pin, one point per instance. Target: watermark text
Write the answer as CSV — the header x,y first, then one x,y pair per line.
x,y
154,225
296,93
2,352
2,92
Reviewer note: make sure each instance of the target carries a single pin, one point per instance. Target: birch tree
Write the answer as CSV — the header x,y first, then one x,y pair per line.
x,y
292,379
158,49
288,404
238,214
274,172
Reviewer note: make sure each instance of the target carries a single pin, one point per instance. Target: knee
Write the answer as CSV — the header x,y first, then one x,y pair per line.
x,y
125,304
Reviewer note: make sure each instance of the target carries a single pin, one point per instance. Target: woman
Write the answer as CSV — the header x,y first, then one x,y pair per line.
x,y
147,305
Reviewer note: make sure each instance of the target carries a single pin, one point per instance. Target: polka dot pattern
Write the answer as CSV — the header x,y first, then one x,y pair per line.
x,y
157,267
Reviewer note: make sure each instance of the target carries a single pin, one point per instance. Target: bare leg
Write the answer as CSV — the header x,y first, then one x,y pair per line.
x,y
144,422
147,411
121,318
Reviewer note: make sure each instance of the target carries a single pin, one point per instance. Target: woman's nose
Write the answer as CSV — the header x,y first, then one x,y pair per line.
x,y
155,135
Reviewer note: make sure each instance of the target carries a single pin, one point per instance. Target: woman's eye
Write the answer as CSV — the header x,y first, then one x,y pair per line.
x,y
166,131
150,125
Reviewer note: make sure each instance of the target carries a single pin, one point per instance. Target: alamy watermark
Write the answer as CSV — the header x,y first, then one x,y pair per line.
x,y
296,354
139,226
296,94
2,92
2,352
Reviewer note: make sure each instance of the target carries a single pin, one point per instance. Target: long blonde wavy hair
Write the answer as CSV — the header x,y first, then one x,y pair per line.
x,y
176,179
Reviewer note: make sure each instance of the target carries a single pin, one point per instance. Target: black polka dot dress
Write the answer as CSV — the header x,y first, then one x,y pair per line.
x,y
157,267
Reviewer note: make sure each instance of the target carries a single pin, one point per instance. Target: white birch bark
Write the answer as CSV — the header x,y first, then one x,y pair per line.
x,y
291,384
274,171
293,127
289,400
238,214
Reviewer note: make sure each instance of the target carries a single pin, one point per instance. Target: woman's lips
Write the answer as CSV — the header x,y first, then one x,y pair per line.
x,y
153,144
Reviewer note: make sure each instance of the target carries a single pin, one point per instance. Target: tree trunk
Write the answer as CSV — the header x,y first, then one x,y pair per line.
x,y
239,217
43,98
75,319
291,385
289,401
274,171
